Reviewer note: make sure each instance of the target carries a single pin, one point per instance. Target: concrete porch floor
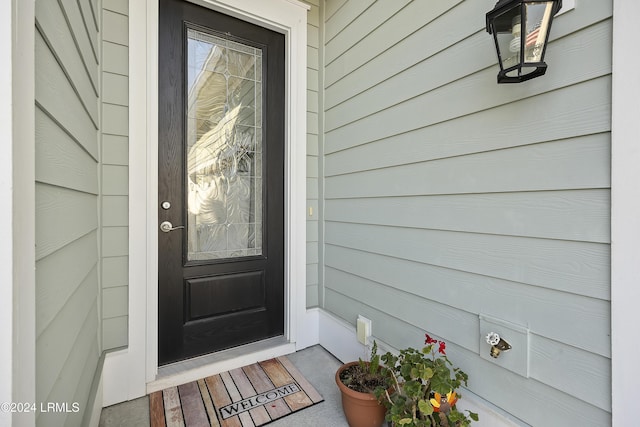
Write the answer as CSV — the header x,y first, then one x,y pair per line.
x,y
315,363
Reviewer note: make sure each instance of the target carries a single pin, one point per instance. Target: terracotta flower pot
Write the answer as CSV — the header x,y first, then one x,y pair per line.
x,y
361,409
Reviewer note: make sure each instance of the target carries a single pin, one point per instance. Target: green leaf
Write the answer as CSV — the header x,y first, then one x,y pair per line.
x,y
405,421
425,407
473,416
427,373
414,373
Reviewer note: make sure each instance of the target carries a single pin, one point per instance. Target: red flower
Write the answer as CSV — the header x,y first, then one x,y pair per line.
x,y
429,340
441,347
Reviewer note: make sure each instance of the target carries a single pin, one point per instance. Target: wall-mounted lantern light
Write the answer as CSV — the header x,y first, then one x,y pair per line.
x,y
520,31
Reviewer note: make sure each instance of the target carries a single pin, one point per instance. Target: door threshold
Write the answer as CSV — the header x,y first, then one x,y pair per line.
x,y
210,364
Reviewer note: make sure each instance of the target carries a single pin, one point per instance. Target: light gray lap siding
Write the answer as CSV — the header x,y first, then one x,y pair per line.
x,y
114,174
67,199
448,196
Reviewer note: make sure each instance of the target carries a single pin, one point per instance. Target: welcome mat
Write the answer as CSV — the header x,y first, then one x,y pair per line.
x,y
251,396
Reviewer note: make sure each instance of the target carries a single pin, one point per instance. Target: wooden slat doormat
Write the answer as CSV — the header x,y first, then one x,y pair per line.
x,y
250,396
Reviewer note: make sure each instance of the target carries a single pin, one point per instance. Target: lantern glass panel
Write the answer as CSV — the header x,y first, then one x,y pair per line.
x,y
508,48
537,17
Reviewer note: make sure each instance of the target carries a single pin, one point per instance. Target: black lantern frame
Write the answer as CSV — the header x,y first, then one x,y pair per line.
x,y
520,30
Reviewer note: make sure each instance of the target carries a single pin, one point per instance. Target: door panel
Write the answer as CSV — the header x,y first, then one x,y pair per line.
x,y
221,174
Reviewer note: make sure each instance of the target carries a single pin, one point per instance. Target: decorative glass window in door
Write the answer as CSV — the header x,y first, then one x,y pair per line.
x,y
224,148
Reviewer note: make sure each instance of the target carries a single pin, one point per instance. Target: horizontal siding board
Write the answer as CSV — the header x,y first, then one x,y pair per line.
x,y
312,102
93,9
411,52
312,145
115,271
544,311
582,215
313,15
85,38
586,376
115,211
115,119
114,332
457,325
114,173
55,22
485,378
312,224
406,84
312,58
115,241
388,329
349,11
116,27
365,27
62,216
118,6
479,93
60,160
115,89
91,25
574,267
115,180
59,274
347,59
578,163
312,166
312,123
70,383
83,391
312,78
312,296
312,275
84,75
53,89
312,252
312,188
115,150
444,190
533,402
571,59
483,131
115,302
312,230
313,44
58,342
115,58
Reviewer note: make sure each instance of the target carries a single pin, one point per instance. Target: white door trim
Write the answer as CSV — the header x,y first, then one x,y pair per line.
x,y
17,190
127,372
625,214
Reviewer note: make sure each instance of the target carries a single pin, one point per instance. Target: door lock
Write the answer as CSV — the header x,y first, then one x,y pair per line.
x,y
166,226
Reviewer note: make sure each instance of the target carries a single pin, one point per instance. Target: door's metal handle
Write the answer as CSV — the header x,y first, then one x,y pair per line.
x,y
166,226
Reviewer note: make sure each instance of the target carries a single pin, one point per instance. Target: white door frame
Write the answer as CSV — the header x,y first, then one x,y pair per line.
x,y
625,215
128,372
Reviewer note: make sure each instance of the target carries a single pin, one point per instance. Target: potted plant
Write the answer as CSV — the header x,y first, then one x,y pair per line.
x,y
423,388
357,382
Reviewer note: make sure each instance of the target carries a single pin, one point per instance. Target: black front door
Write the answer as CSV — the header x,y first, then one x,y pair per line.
x,y
220,183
